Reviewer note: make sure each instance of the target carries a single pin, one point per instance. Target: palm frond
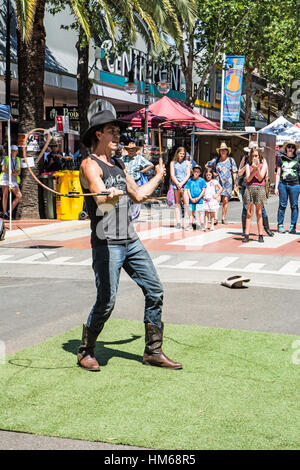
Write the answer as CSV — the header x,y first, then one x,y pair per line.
x,y
25,17
81,15
108,18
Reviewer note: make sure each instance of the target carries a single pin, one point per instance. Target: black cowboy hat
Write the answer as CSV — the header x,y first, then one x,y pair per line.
x,y
97,120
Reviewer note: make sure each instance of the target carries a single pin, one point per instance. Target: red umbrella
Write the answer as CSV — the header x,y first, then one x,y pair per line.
x,y
171,112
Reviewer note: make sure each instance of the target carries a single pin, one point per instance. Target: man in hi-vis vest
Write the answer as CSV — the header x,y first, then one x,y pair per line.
x,y
15,180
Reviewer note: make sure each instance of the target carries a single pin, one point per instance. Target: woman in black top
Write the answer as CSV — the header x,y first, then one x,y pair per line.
x,y
287,185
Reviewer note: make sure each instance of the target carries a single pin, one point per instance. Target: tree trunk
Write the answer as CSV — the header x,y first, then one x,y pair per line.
x,y
31,64
287,100
188,74
84,84
248,86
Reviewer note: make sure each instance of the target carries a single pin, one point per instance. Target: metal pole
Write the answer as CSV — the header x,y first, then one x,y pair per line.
x,y
147,90
269,106
222,94
7,71
9,174
193,143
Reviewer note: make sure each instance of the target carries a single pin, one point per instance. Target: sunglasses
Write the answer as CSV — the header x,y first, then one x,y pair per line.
x,y
291,147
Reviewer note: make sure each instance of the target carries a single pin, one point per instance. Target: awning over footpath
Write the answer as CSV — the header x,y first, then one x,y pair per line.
x,y
170,112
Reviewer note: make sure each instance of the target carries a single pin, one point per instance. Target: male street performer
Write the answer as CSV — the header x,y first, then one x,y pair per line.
x,y
115,243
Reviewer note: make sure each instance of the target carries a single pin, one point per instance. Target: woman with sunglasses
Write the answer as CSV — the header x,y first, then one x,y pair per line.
x,y
287,185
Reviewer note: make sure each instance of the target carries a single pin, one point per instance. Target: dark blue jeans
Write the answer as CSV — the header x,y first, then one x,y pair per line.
x,y
244,211
107,263
291,193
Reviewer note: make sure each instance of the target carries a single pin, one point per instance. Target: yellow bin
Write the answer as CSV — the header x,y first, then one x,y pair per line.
x,y
68,208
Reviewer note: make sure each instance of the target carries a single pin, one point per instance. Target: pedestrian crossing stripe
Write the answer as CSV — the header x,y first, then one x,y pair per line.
x,y
290,268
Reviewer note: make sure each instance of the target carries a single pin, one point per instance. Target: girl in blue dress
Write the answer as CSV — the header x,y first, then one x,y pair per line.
x,y
180,172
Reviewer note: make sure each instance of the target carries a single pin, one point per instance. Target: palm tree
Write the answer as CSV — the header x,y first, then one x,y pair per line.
x,y
127,14
31,60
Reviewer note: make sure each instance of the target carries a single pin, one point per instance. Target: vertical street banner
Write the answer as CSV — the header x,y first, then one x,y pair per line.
x,y
233,84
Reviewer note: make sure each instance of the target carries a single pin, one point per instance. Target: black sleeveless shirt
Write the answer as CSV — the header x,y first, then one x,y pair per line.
x,y
110,224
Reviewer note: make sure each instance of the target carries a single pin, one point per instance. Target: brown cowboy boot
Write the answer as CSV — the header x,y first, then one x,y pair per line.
x,y
154,355
85,356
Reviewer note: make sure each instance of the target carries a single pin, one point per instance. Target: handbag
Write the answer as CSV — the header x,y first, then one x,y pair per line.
x,y
170,196
268,187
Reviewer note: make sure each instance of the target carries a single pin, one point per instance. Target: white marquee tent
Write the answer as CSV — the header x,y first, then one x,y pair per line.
x,y
283,129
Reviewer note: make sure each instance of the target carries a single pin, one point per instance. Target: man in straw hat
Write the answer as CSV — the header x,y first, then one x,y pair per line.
x,y
287,185
225,167
135,165
115,243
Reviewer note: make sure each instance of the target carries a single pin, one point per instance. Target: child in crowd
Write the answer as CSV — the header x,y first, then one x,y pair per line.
x,y
211,199
196,189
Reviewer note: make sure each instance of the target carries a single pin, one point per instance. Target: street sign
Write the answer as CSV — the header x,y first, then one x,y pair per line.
x,y
59,123
62,124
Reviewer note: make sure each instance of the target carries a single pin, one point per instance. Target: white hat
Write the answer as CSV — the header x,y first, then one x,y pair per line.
x,y
14,147
252,145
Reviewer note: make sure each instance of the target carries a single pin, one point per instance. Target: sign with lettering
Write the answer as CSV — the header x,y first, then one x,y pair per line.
x,y
115,70
70,111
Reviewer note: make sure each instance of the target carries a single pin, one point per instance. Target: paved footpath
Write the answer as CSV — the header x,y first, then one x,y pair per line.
x,y
42,260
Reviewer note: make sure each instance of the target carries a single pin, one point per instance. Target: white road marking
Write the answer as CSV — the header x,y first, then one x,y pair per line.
x,y
3,258
160,259
158,232
290,268
279,239
186,264
254,267
85,262
31,259
204,238
223,262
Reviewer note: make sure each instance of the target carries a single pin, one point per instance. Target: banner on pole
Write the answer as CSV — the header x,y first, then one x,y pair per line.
x,y
233,84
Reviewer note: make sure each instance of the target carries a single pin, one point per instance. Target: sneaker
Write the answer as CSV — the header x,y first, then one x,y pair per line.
x,y
281,229
260,239
178,226
198,227
216,222
292,229
189,227
246,238
6,215
212,228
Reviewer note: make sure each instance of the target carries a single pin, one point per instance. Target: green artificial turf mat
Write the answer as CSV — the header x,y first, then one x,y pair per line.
x,y
237,390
